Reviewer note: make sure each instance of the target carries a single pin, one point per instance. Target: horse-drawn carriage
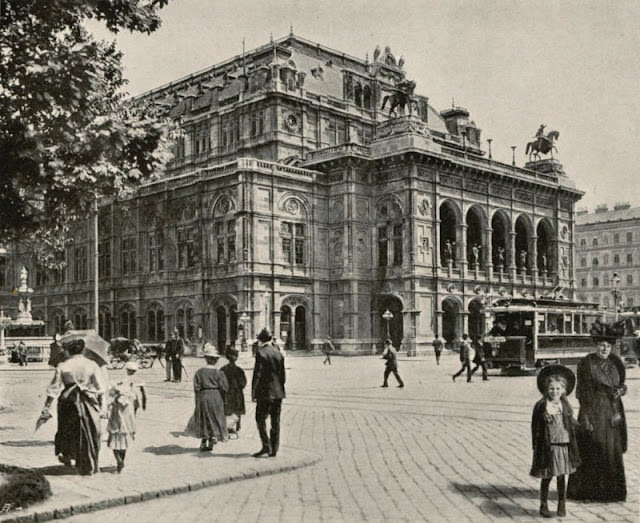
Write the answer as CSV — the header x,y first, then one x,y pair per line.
x,y
122,350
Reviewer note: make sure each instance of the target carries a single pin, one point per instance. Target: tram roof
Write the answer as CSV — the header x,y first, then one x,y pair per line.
x,y
545,303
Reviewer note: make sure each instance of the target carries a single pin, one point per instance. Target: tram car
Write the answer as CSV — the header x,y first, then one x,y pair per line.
x,y
526,334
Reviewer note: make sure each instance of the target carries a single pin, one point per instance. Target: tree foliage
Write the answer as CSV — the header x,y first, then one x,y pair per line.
x,y
67,134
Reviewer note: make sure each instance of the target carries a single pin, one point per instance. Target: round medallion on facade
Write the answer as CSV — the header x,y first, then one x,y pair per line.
x,y
291,122
292,206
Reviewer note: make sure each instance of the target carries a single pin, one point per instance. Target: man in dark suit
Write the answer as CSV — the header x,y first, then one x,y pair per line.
x,y
174,349
267,390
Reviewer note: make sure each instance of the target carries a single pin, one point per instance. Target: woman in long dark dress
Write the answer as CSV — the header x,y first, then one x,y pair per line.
x,y
79,385
210,386
602,438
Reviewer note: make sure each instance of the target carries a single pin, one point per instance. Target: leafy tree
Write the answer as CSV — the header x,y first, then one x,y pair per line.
x,y
67,134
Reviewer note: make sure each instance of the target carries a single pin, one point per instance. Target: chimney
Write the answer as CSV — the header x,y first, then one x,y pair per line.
x,y
601,208
621,206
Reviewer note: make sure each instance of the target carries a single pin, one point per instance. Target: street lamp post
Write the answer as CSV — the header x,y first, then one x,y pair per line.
x,y
387,316
244,319
615,279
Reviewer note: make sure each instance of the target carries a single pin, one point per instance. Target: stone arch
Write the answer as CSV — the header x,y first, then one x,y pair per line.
x,y
127,321
452,314
105,322
295,322
500,240
366,97
476,323
295,204
222,204
221,320
546,257
394,328
476,221
523,227
450,216
156,321
389,207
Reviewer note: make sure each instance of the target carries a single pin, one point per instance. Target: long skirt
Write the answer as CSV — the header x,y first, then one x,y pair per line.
x,y
121,426
209,415
78,435
600,477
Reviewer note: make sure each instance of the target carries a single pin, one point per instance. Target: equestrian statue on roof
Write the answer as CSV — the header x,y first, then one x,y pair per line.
x,y
542,144
401,97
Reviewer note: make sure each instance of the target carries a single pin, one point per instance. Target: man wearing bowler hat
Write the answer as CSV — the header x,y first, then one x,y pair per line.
x,y
267,390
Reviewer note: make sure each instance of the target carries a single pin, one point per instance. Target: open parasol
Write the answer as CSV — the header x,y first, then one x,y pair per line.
x,y
95,347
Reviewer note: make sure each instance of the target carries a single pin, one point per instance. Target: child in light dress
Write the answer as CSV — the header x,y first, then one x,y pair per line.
x,y
125,397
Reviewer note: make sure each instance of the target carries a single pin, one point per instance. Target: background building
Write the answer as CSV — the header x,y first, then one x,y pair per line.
x,y
298,200
608,243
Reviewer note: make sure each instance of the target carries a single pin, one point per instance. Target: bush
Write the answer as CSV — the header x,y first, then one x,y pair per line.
x,y
23,487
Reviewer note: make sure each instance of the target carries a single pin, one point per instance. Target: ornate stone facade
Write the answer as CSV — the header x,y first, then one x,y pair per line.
x,y
294,202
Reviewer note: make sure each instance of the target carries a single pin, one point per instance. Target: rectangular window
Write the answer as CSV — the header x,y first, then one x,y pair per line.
x,y
293,242
156,258
104,259
397,244
629,237
128,255
286,250
186,249
80,264
629,280
616,238
231,240
383,244
629,259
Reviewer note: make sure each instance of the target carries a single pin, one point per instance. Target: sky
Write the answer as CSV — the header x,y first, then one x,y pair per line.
x,y
572,65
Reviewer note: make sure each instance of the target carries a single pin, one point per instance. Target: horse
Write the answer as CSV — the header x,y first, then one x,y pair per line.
x,y
403,97
542,145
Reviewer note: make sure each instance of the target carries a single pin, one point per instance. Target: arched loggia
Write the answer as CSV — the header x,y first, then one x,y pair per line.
x,y
500,240
475,242
522,245
544,246
449,225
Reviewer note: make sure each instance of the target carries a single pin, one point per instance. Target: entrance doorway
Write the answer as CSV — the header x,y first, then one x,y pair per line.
x,y
450,321
476,319
392,328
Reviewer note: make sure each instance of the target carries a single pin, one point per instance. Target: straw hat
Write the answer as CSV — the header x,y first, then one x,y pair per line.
x,y
209,351
131,365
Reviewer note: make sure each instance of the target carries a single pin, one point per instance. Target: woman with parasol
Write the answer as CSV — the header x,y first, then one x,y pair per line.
x,y
79,386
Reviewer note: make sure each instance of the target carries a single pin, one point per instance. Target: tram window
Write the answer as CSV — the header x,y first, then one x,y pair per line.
x,y
555,323
542,326
568,324
577,324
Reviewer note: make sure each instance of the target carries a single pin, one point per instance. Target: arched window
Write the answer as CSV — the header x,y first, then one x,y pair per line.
x,y
583,282
366,97
594,262
616,259
104,325
583,242
596,282
583,262
155,324
595,242
128,323
185,322
80,319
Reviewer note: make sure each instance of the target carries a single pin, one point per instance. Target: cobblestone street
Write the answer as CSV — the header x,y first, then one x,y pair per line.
x,y
433,451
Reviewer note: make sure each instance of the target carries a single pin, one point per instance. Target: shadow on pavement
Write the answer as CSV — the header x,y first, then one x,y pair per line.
x,y
499,505
57,470
27,443
169,450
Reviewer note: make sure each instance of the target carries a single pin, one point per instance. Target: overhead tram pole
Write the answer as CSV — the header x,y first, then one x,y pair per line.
x,y
96,259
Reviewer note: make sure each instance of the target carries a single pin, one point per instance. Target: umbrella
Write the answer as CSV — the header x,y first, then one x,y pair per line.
x,y
44,417
95,348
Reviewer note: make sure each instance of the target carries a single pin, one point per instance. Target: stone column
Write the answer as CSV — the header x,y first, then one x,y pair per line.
x,y
533,249
511,253
292,329
487,255
463,250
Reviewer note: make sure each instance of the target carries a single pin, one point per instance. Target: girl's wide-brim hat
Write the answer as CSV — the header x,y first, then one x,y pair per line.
x,y
210,351
559,370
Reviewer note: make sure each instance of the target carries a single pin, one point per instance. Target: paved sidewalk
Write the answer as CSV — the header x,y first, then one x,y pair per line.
x,y
161,462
